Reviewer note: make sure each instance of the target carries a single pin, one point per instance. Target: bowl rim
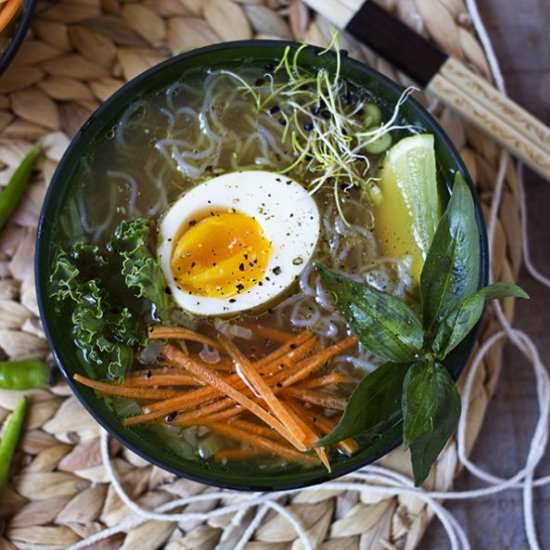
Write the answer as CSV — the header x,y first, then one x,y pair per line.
x,y
56,181
9,53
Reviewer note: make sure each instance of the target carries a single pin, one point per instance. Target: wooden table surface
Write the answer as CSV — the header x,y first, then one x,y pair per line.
x,y
520,31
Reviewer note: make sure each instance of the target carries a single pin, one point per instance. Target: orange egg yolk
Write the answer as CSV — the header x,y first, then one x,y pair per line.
x,y
221,255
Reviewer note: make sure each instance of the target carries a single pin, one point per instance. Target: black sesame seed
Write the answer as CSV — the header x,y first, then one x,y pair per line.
x,y
282,121
276,270
326,115
241,267
232,300
274,110
170,417
308,126
259,82
293,346
148,374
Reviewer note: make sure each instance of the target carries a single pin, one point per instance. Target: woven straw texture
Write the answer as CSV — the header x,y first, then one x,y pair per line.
x,y
77,54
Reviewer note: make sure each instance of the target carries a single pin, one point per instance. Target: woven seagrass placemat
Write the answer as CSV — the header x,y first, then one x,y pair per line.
x,y
77,54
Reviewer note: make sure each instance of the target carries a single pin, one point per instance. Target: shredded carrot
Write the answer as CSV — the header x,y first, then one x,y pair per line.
x,y
332,378
238,454
211,377
315,362
251,376
325,425
8,12
223,365
273,334
163,380
295,351
197,418
125,391
317,397
180,333
200,414
211,412
254,428
285,350
262,443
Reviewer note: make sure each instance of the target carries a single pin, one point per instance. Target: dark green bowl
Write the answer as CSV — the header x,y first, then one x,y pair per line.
x,y
239,476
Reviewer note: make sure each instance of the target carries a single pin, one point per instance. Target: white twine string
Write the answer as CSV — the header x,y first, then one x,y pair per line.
x,y
384,481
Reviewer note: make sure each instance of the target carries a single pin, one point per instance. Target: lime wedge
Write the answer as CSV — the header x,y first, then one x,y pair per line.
x,y
406,218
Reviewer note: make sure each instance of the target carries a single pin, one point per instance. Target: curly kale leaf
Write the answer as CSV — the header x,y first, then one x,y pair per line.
x,y
140,268
104,336
64,283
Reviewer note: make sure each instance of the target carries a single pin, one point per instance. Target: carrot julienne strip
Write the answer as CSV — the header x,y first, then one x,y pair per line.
x,y
332,378
125,391
316,397
273,334
197,418
254,428
225,366
262,388
8,12
163,380
262,443
180,333
315,362
211,377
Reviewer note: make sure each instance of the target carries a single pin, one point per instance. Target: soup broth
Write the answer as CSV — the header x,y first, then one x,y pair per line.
x,y
218,121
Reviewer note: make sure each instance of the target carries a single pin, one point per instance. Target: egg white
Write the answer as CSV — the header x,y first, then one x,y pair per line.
x,y
287,214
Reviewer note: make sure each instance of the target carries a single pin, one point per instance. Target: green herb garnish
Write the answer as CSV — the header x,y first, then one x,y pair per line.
x,y
107,326
416,383
329,125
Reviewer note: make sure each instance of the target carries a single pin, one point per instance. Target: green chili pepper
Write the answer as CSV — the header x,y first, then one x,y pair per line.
x,y
12,193
27,374
12,431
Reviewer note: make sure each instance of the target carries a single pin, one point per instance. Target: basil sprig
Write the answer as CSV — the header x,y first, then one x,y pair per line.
x,y
415,382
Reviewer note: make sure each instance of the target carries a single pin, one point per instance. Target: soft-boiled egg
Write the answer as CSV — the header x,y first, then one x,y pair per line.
x,y
237,241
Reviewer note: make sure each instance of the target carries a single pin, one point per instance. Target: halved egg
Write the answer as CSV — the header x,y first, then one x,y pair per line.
x,y
237,241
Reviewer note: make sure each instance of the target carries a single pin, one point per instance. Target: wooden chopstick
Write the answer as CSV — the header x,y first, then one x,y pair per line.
x,y
485,94
494,123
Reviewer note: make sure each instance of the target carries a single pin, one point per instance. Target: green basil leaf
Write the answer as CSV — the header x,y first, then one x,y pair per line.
x,y
374,400
503,290
452,267
384,324
431,409
417,401
463,318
